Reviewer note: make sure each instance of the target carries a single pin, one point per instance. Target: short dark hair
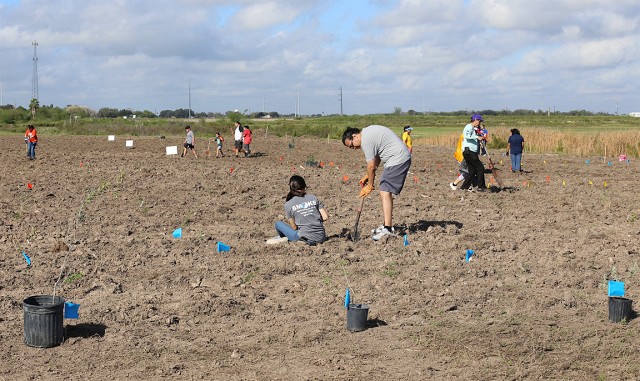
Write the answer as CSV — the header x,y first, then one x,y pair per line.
x,y
514,131
188,127
348,133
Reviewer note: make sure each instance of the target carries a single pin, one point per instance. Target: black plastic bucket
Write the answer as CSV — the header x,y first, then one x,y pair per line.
x,y
619,309
357,317
43,321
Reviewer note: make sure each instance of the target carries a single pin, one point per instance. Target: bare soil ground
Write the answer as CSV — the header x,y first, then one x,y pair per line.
x,y
530,305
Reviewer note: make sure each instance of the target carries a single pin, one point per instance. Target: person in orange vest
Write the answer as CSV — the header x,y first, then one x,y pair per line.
x,y
31,138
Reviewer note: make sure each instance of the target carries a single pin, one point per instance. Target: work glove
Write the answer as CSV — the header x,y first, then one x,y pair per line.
x,y
364,192
364,180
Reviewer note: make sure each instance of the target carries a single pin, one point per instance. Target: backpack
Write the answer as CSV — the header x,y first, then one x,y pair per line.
x,y
458,153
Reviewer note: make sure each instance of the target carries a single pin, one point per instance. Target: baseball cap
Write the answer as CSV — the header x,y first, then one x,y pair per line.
x,y
408,128
477,117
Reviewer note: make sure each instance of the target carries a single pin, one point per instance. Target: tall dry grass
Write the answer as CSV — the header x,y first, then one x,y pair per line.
x,y
541,140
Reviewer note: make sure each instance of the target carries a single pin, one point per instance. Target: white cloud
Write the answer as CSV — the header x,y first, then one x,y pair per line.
x,y
453,53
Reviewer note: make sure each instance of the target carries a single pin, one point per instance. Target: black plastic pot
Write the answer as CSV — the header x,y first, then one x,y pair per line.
x,y
357,317
619,309
43,321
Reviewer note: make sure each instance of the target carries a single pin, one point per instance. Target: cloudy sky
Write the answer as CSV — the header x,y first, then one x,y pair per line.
x,y
423,55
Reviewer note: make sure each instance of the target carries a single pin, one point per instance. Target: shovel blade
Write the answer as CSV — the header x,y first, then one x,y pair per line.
x,y
355,234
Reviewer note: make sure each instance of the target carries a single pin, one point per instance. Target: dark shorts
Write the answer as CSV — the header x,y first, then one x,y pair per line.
x,y
246,147
392,179
187,145
238,144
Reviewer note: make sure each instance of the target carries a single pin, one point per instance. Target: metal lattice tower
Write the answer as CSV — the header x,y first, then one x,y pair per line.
x,y
34,79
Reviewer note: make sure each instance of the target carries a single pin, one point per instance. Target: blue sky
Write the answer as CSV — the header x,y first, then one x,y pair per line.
x,y
435,55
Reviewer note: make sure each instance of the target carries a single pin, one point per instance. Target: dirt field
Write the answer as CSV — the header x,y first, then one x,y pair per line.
x,y
530,305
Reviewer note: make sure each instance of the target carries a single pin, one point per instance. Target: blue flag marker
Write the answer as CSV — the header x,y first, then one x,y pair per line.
x,y
347,298
71,310
177,233
609,163
222,247
26,258
616,288
406,240
587,161
468,255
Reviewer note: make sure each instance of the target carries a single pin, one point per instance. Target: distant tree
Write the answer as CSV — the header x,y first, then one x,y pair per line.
x,y
397,110
125,112
274,114
412,112
107,112
234,116
146,114
166,114
33,106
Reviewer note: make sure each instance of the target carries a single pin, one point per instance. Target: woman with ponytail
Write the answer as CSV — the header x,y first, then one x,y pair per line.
x,y
305,216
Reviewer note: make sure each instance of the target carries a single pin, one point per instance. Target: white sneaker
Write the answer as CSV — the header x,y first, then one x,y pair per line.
x,y
277,240
377,230
383,233
453,187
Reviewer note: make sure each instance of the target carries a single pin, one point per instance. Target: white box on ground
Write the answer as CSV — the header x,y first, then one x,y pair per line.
x,y
128,144
172,150
111,138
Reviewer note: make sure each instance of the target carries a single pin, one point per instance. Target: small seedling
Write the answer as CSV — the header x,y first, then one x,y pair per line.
x,y
391,270
250,276
73,277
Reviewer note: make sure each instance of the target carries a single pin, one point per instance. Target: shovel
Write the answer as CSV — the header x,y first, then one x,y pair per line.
x,y
494,170
355,233
208,151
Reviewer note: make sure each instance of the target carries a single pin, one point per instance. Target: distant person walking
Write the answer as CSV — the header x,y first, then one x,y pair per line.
x,y
406,138
381,145
31,139
247,137
219,140
472,135
515,147
237,136
189,143
305,216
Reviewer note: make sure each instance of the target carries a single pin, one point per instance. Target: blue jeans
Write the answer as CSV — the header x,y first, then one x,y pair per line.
x,y
32,150
515,161
285,230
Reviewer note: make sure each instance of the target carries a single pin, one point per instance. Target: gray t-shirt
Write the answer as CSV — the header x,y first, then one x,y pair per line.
x,y
305,211
384,143
190,137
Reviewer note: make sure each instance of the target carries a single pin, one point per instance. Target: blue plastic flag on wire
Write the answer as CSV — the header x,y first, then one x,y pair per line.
x,y
26,258
616,288
177,233
222,247
468,255
406,240
71,310
347,298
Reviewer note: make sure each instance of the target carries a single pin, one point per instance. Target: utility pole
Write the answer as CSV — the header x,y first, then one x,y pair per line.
x,y
34,78
340,100
189,99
